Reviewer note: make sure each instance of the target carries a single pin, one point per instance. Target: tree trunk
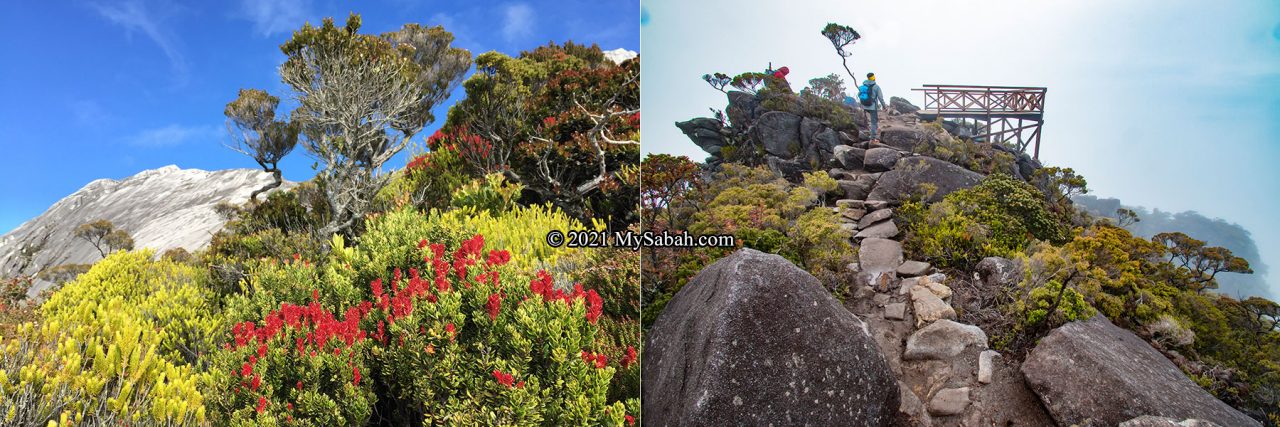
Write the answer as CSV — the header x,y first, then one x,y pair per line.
x,y
275,173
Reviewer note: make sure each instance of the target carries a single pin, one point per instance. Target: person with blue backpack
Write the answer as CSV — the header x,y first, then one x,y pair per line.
x,y
872,100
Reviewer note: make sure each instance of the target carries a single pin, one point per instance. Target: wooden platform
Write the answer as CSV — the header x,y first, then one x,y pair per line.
x,y
1024,115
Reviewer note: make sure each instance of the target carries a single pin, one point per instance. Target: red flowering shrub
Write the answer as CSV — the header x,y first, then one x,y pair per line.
x,y
448,337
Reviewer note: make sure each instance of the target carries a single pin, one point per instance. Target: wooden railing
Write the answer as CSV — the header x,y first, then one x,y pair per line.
x,y
1009,114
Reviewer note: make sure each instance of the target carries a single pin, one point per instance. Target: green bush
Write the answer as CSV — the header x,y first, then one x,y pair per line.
x,y
998,217
493,194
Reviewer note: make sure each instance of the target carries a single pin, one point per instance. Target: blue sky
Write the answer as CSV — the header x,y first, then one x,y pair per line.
x,y
1165,104
107,89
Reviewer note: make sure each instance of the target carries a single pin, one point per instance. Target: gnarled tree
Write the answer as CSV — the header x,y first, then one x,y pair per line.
x,y
251,121
842,37
104,236
361,98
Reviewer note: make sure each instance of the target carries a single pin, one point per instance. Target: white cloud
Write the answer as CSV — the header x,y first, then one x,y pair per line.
x,y
173,134
275,16
517,21
134,16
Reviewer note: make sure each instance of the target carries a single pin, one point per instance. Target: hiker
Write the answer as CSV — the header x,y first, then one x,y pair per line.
x,y
872,100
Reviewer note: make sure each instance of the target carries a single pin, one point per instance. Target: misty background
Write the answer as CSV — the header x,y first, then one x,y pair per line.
x,y
1171,106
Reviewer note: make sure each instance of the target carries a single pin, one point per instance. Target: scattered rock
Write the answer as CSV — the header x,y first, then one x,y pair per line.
x,y
880,299
876,204
755,340
857,188
912,408
928,307
850,204
849,157
864,292
853,267
985,361
940,290
1152,421
913,268
852,214
949,401
895,311
1000,273
907,175
880,257
904,287
779,133
850,228
880,159
943,340
883,230
874,217
1093,373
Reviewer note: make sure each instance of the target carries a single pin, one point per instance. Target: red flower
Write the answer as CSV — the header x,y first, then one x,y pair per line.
x,y
549,121
357,375
299,386
262,404
499,257
452,332
315,295
595,305
376,285
257,382
494,305
629,358
601,361
631,420
506,379
246,370
422,244
262,350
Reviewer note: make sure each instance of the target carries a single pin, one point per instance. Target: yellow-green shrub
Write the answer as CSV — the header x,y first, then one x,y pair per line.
x,y
114,344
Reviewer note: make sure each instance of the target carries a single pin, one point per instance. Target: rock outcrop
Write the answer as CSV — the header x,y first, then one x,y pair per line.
x,y
754,340
910,172
1093,373
161,209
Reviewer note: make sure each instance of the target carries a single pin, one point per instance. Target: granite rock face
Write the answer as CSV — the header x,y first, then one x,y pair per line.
x,y
907,175
161,209
1093,373
754,340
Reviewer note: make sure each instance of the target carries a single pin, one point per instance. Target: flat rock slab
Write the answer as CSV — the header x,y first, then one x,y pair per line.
x,y
850,204
1093,373
928,307
883,230
943,340
874,217
1152,421
913,268
849,157
880,255
754,340
895,311
986,361
949,401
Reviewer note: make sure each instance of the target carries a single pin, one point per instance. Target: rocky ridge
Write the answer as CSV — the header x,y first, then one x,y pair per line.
x,y
162,209
946,374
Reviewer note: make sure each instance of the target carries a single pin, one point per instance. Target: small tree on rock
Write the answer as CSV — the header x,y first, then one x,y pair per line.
x,y
842,37
104,236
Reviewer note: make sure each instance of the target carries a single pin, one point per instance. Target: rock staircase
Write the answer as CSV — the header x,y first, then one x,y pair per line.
x,y
947,374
